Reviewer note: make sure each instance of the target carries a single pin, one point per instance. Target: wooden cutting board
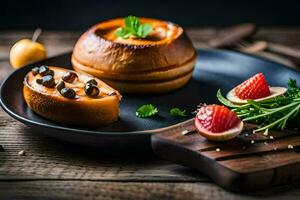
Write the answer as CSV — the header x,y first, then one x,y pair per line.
x,y
247,163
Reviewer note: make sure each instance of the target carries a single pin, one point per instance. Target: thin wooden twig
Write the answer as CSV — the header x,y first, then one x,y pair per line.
x,y
284,50
267,50
232,35
254,47
36,34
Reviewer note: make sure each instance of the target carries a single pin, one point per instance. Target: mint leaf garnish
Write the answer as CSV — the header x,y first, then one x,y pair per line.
x,y
134,28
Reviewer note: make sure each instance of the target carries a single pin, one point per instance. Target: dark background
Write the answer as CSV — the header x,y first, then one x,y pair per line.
x,y
78,15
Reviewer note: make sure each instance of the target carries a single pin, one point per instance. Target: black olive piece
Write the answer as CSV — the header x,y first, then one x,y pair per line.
x,y
51,72
39,81
68,93
35,71
69,77
43,70
60,85
92,81
48,81
91,90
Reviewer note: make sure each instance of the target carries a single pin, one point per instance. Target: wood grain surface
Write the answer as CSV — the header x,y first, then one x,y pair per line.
x,y
51,169
249,162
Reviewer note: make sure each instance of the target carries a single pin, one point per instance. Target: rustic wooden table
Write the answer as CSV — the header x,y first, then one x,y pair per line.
x,y
52,169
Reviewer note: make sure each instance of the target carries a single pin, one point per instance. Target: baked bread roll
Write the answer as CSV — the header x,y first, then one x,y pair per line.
x,y
163,61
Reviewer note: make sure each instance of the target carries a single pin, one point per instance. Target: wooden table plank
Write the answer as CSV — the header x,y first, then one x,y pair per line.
x,y
5,69
48,158
88,190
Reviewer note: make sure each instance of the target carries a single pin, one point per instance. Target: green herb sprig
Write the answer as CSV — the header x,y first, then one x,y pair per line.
x,y
146,110
270,113
177,112
134,28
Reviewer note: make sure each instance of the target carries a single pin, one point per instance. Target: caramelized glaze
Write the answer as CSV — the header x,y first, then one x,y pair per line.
x,y
77,85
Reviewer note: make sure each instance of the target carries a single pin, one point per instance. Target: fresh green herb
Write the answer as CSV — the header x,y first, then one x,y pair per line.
x,y
270,113
176,112
133,27
146,110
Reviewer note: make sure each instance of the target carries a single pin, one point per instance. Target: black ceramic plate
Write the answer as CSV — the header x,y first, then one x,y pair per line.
x,y
214,69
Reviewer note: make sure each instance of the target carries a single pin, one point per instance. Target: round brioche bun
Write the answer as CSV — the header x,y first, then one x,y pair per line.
x,y
165,55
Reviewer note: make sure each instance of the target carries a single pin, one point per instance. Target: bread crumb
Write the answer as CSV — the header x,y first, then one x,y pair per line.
x,y
218,149
22,153
290,146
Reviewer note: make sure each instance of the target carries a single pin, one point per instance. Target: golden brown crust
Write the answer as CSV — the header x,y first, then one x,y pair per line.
x,y
81,111
97,51
150,87
155,75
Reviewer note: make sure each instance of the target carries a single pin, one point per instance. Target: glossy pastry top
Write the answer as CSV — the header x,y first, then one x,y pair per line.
x,y
62,82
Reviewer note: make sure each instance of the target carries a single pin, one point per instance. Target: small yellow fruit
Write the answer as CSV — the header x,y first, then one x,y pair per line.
x,y
26,51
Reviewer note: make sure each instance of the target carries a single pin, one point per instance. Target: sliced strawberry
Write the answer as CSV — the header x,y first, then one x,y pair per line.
x,y
255,87
216,119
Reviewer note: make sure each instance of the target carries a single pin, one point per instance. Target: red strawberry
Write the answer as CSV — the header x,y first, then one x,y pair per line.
x,y
216,119
254,88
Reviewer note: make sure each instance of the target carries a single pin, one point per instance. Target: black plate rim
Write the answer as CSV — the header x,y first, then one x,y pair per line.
x,y
103,133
